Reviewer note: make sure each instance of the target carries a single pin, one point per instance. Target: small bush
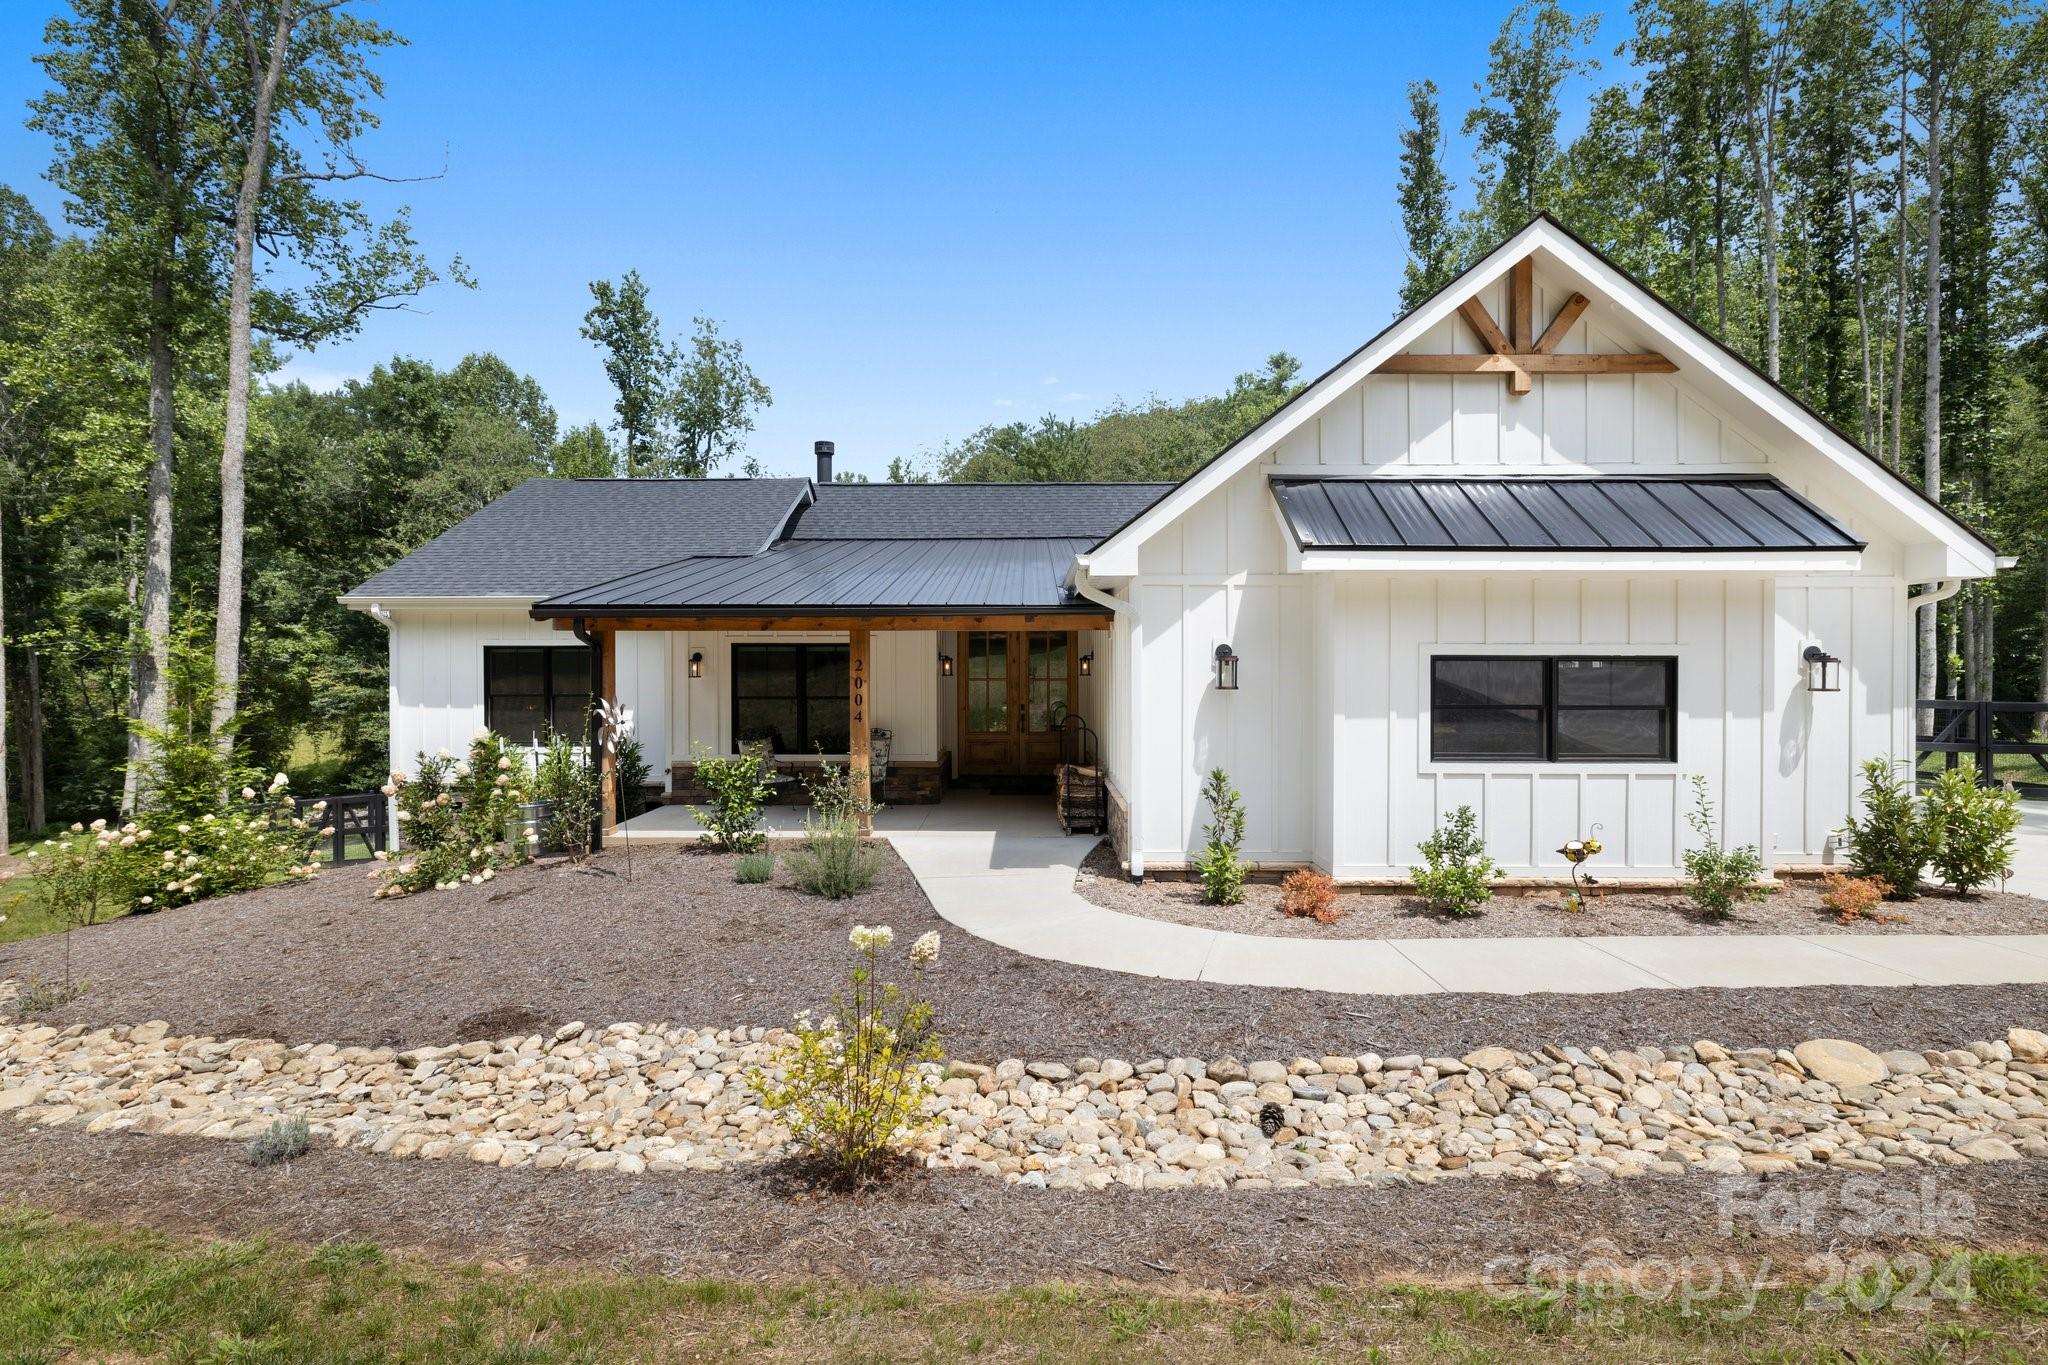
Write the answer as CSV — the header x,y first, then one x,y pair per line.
x,y
1456,876
753,869
733,821
834,862
833,797
1309,894
458,819
1718,879
36,996
1854,898
1979,828
631,765
1221,870
568,785
284,1140
852,1087
1897,836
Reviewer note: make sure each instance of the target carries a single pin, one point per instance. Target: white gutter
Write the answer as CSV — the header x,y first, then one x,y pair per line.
x,y
1938,592
1127,678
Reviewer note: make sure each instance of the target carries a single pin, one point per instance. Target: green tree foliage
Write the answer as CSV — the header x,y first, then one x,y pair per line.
x,y
636,360
1425,199
1515,123
712,398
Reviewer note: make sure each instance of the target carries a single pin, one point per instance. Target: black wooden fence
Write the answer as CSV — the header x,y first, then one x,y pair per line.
x,y
359,822
2008,740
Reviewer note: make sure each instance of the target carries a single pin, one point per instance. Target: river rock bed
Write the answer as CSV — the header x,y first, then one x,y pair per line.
x,y
634,1097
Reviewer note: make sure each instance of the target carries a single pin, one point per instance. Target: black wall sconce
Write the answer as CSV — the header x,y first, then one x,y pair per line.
x,y
1087,664
945,665
697,664
1226,669
1823,670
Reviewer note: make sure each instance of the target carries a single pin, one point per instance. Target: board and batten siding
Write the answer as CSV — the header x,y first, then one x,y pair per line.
x,y
906,687
437,678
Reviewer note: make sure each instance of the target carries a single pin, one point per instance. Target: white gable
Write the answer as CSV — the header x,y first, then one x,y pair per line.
x,y
1714,414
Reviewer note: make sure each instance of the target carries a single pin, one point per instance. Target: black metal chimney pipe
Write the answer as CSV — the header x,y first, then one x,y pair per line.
x,y
823,450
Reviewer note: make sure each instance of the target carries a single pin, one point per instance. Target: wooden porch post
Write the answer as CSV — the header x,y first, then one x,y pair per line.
x,y
859,748
608,759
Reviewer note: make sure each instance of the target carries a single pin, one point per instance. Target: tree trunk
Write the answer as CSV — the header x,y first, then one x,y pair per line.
x,y
1898,454
152,708
227,627
1968,652
4,847
34,814
1862,313
1930,473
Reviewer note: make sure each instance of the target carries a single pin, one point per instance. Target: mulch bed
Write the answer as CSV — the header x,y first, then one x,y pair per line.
x,y
1794,908
661,934
969,1232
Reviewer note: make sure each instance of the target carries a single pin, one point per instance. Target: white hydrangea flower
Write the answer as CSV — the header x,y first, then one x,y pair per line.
x,y
504,763
96,826
248,793
925,951
871,940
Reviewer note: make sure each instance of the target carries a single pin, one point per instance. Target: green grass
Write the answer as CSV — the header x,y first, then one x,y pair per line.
x,y
74,1291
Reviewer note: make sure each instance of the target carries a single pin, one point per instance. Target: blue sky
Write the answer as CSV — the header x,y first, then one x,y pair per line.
x,y
919,219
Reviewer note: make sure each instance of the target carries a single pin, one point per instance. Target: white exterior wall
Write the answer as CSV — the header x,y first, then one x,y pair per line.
x,y
437,677
906,688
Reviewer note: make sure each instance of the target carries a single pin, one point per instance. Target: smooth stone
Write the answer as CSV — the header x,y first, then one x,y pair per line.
x,y
1840,1063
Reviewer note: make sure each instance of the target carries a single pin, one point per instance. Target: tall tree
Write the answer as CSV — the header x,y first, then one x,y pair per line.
x,y
1536,51
26,243
288,66
1425,196
136,134
637,361
712,397
1764,52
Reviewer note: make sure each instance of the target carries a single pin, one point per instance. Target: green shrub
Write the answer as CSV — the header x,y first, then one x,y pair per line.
x,y
1979,828
284,1140
835,861
1718,879
1456,876
630,762
1897,836
833,797
853,1087
1221,870
754,869
569,785
733,821
458,819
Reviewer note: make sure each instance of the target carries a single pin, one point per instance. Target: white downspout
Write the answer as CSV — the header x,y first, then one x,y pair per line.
x,y
1940,591
1127,678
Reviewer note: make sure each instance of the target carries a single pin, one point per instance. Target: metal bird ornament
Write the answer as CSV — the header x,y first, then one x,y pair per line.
x,y
1575,852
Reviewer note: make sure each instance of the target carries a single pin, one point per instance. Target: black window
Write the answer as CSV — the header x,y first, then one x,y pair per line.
x,y
529,691
793,696
1554,710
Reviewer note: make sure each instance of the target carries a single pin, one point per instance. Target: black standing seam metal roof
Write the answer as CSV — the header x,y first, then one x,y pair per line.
x,y
848,577
1617,512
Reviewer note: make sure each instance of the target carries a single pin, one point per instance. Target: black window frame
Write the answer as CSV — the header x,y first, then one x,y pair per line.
x,y
548,656
803,696
1551,706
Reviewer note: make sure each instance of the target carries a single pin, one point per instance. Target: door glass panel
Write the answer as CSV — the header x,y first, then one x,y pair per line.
x,y
988,682
1047,682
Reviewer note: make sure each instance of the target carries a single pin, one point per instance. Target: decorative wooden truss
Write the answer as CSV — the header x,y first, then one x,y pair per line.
x,y
1519,354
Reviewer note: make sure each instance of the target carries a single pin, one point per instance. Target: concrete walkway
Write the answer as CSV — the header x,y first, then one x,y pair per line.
x,y
999,868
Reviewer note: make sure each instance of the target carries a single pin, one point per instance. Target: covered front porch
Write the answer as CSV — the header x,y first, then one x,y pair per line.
x,y
964,811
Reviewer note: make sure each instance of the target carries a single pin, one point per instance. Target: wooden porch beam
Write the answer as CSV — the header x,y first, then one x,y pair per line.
x,y
1474,312
755,624
1522,303
1562,323
1532,363
859,741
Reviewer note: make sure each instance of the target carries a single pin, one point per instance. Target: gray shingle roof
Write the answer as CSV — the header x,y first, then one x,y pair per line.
x,y
1608,513
550,535
848,576
937,511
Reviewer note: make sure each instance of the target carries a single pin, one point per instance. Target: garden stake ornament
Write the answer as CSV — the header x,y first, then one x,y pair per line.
x,y
614,723
1575,852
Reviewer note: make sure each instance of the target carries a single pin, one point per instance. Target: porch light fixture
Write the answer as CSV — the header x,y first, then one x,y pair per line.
x,y
1087,664
945,665
1226,669
1823,670
697,664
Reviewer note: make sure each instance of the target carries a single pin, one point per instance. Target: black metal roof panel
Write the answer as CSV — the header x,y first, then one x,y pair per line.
x,y
947,511
550,535
845,576
1622,512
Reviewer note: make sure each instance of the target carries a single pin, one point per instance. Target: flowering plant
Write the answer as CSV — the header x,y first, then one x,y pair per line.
x,y
457,819
852,1086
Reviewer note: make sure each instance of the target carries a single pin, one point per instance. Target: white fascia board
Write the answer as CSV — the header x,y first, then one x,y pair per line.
x,y
1578,562
363,602
1119,554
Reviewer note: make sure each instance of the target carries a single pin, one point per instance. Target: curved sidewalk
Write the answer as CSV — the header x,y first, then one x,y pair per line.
x,y
1018,891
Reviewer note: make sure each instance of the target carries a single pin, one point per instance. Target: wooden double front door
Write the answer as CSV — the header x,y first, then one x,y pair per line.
x,y
1016,687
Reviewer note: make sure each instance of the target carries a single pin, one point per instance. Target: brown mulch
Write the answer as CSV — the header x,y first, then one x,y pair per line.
x,y
664,934
974,1233
1794,908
